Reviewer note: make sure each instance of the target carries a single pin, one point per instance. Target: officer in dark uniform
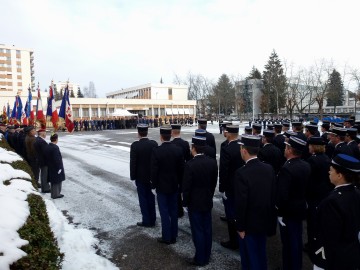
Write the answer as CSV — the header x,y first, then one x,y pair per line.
x,y
248,130
291,202
255,204
230,161
167,166
41,146
285,126
269,153
298,128
319,184
338,219
279,138
185,147
210,139
208,150
256,129
350,140
199,183
140,160
337,138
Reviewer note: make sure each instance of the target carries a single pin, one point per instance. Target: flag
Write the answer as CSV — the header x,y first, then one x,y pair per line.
x,y
39,110
66,111
51,109
13,113
8,111
19,108
4,115
29,109
24,119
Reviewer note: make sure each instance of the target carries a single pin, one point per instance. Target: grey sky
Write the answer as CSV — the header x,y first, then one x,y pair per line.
x,y
119,44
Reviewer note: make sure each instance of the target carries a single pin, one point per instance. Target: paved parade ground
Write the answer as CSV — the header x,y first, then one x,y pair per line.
x,y
100,196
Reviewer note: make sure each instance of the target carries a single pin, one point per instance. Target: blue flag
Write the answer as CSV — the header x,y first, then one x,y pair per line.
x,y
18,108
13,113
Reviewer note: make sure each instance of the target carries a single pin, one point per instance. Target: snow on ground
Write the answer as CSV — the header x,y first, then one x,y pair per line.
x,y
77,244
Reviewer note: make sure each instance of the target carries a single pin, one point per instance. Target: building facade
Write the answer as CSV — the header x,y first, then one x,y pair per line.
x,y
248,97
16,70
72,87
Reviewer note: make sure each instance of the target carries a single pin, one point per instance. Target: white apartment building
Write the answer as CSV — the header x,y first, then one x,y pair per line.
x,y
62,85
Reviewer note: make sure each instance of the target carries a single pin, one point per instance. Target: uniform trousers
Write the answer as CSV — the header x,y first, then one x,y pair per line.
x,y
45,187
169,215
55,189
291,238
253,252
229,205
147,203
201,231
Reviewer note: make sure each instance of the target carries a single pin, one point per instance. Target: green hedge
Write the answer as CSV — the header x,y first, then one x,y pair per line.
x,y
42,250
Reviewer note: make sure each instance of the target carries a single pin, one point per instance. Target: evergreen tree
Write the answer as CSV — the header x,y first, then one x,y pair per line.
x,y
72,93
79,94
246,98
56,93
274,85
254,74
335,90
223,96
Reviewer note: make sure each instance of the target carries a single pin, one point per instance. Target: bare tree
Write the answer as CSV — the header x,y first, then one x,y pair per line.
x,y
319,76
291,89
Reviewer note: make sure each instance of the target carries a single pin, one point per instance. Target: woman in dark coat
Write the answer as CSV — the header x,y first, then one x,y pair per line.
x,y
338,218
55,167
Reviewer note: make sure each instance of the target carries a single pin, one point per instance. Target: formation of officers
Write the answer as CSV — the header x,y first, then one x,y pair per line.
x,y
44,158
276,177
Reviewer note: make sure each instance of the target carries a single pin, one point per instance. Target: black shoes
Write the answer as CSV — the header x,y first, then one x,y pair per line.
x,y
195,263
162,241
229,245
144,225
223,218
58,197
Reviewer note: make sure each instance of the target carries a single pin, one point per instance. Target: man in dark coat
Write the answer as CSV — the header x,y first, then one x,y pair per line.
x,y
41,146
31,155
208,150
185,148
167,166
319,184
338,219
140,160
55,167
199,183
210,139
269,153
299,129
230,161
291,202
255,204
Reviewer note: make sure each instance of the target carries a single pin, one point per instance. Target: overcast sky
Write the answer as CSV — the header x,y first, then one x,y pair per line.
x,y
119,44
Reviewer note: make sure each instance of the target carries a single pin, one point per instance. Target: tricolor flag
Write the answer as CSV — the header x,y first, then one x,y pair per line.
x,y
51,108
24,118
66,111
19,108
13,113
39,110
29,109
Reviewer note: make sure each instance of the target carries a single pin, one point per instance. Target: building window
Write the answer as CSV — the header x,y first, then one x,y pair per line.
x,y
170,91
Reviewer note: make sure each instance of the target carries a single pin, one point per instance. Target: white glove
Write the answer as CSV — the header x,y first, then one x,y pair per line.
x,y
59,171
185,210
281,222
223,195
134,182
153,191
359,237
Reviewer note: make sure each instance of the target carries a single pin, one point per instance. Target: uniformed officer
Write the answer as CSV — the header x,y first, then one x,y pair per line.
x,y
279,138
248,130
140,160
199,183
185,147
167,166
338,219
208,150
269,153
230,161
350,140
255,204
337,138
256,129
291,203
298,128
319,184
210,139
